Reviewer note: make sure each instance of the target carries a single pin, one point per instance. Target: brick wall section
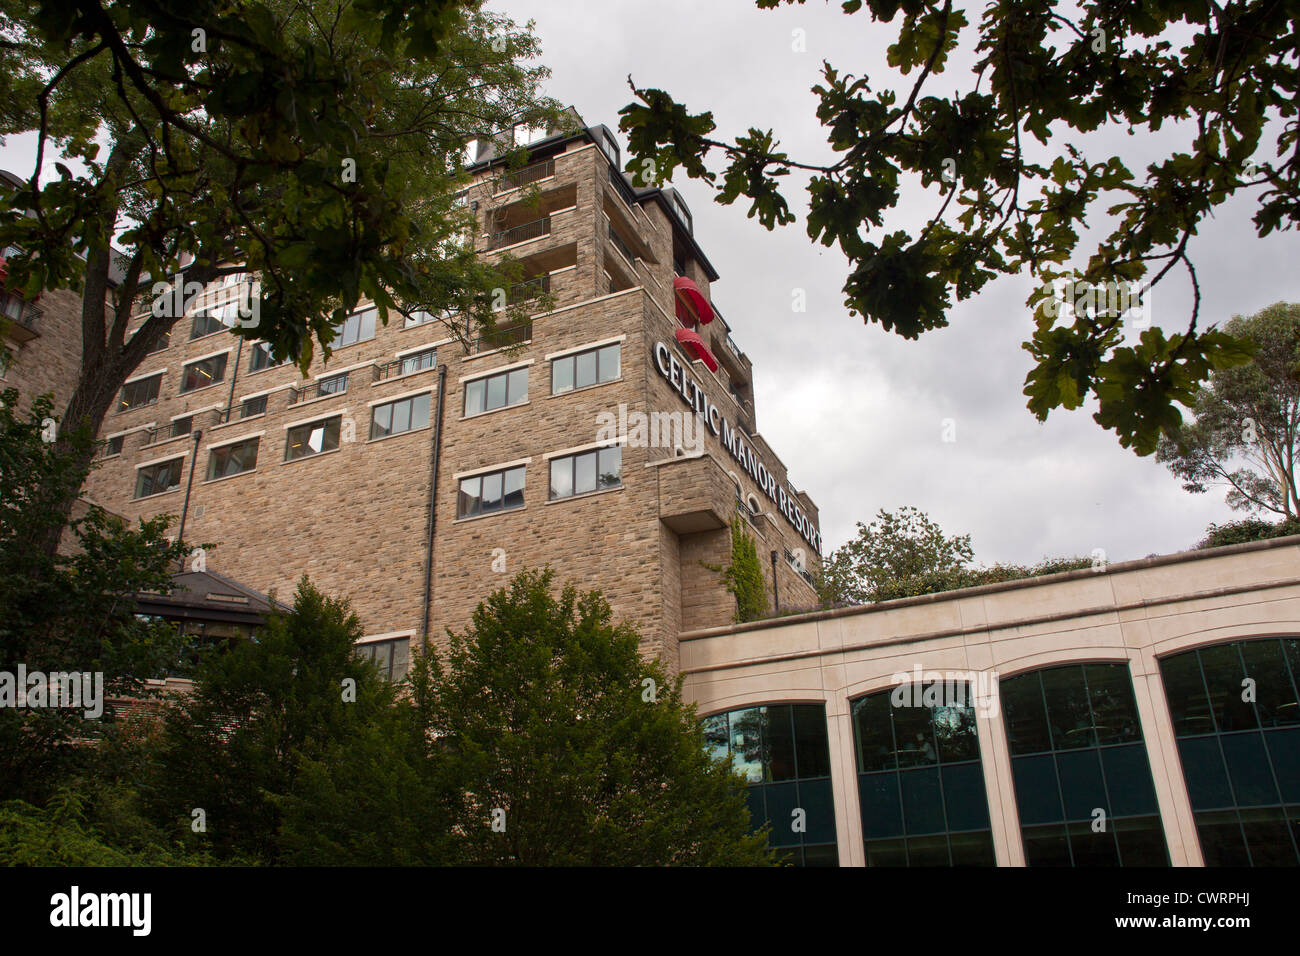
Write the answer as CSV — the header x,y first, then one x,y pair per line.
x,y
355,519
52,361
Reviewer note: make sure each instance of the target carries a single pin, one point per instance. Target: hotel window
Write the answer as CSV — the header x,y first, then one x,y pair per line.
x,y
586,368
357,327
233,459
181,426
252,406
423,317
206,323
1241,758
418,362
205,372
391,657
496,391
164,341
262,357
112,446
141,392
313,438
496,491
588,471
155,479
783,752
403,415
1076,749
920,782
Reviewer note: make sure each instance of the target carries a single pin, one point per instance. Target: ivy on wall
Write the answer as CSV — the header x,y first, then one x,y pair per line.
x,y
744,576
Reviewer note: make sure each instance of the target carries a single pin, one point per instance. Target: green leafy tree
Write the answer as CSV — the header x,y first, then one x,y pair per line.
x,y
1249,529
1246,427
313,147
262,717
1013,186
551,726
905,554
72,611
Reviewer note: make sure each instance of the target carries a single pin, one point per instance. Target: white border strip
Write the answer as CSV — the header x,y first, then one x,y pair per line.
x,y
504,466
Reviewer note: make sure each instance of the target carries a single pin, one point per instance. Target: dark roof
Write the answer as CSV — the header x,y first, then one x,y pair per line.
x,y
209,596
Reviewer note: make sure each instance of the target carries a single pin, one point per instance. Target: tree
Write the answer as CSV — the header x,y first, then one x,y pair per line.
x,y
72,612
566,748
1246,427
312,148
1051,72
261,716
905,554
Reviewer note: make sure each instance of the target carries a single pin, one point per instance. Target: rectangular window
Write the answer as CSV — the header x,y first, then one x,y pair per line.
x,y
496,491
205,372
357,327
419,361
233,459
112,446
403,415
262,358
252,406
141,392
334,385
206,323
391,657
588,471
181,426
155,479
312,438
586,368
496,391
163,342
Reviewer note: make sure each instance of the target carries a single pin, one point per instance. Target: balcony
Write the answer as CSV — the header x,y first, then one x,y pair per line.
x,y
522,233
23,318
502,337
176,429
621,246
695,494
522,177
324,388
621,187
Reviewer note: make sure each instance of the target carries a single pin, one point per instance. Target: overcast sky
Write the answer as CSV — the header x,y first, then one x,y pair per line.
x,y
855,412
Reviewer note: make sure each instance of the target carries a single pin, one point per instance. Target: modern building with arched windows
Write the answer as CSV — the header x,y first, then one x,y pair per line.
x,y
1143,714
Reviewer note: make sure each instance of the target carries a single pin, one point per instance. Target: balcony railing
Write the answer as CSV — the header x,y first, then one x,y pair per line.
x,y
528,289
621,246
182,426
21,312
621,186
734,348
521,233
529,174
245,409
503,336
335,385
402,366
802,572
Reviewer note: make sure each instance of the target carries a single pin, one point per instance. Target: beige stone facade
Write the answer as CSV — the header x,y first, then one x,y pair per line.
x,y
1138,615
355,517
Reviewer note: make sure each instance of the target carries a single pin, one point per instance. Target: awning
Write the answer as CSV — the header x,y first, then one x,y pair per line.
x,y
691,339
689,293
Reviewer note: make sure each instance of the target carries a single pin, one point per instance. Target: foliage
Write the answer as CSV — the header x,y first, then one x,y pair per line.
x,y
548,721
261,717
1246,430
73,611
1250,529
744,576
1055,72
905,554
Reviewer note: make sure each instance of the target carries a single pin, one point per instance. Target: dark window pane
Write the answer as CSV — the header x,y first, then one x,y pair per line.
x,y
825,855
964,797
914,734
715,735
1221,841
746,742
1267,837
1223,677
873,733
922,801
1092,849
882,811
1141,842
1067,708
815,798
1114,710
1128,780
1248,769
954,730
972,849
811,744
1036,790
927,851
1022,702
1185,691
782,801
780,743
1274,697
1284,748
886,853
757,806
1046,846
1081,786
1207,780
